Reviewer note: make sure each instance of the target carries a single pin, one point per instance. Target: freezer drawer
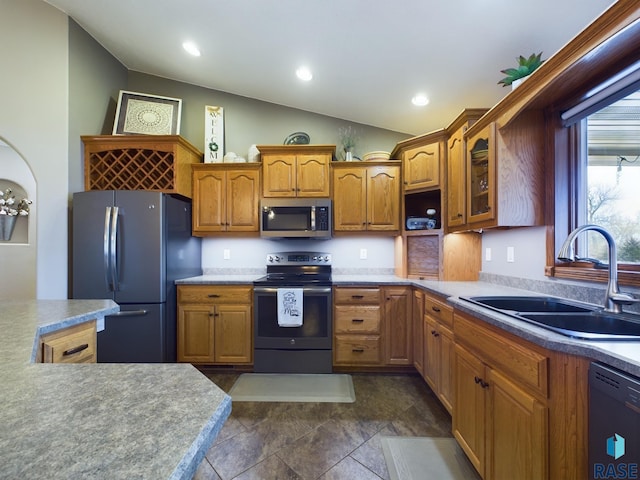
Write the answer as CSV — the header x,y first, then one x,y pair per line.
x,y
136,335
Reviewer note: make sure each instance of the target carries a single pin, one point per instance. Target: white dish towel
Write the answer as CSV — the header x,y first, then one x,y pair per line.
x,y
290,307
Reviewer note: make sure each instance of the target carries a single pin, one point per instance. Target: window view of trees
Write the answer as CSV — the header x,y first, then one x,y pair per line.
x,y
613,179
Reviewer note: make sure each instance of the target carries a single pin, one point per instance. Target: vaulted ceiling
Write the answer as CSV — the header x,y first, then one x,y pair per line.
x,y
368,57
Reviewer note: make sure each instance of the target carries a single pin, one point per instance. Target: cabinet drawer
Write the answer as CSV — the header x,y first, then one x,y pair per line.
x,y
439,310
213,294
357,296
357,319
75,344
505,354
357,349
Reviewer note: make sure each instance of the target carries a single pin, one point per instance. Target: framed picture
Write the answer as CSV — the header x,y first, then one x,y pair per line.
x,y
139,113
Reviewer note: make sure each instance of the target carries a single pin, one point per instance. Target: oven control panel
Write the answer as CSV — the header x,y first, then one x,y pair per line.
x,y
299,258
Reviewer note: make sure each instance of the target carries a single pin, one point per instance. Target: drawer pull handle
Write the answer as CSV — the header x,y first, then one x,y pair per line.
x,y
357,320
357,297
77,349
435,309
435,333
357,350
213,295
481,382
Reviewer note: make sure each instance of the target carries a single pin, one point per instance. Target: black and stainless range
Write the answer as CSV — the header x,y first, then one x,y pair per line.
x,y
294,349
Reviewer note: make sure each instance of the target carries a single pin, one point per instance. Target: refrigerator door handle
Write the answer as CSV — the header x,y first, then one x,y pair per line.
x,y
130,313
105,246
113,254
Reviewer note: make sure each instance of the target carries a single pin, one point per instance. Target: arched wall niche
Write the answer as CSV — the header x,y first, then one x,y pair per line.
x,y
18,255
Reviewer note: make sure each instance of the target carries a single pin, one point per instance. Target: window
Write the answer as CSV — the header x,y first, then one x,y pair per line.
x,y
597,180
610,194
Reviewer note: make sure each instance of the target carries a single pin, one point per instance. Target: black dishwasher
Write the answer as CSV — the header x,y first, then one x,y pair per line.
x,y
614,424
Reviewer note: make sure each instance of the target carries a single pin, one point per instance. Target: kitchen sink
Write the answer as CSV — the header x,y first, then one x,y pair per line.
x,y
573,319
530,304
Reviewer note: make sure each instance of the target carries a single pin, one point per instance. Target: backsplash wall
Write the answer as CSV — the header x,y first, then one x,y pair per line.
x,y
248,255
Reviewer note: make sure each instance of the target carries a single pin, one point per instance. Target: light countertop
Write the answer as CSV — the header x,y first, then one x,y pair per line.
x,y
624,355
97,420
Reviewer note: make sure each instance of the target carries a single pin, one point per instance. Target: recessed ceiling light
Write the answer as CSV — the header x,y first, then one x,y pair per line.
x,y
303,73
420,100
191,48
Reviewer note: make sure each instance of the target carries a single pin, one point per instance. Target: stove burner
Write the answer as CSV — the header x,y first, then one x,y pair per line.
x,y
292,268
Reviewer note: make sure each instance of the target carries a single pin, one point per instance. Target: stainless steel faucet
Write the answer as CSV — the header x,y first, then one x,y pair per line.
x,y
613,299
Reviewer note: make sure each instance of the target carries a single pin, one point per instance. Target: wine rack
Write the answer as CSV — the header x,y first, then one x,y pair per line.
x,y
139,162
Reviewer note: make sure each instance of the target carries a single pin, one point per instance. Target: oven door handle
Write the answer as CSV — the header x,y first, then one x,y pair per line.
x,y
259,289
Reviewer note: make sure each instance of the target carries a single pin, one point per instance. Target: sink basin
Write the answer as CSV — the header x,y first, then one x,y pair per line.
x,y
597,325
530,304
573,319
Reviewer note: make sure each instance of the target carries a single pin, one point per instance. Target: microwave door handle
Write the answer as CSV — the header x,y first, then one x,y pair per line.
x,y
313,218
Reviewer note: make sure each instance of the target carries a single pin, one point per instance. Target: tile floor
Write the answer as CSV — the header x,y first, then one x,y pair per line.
x,y
328,441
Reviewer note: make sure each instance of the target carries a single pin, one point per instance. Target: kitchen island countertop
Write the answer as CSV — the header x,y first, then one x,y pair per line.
x,y
97,420
624,355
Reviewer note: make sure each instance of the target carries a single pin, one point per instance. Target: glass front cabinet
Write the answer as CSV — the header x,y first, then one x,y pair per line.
x,y
481,176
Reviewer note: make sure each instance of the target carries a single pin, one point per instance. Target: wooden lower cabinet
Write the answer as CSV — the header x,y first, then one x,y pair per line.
x,y
417,315
398,325
501,427
438,347
76,344
357,326
520,410
215,324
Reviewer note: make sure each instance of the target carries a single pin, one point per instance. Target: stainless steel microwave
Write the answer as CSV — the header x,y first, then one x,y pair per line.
x,y
295,217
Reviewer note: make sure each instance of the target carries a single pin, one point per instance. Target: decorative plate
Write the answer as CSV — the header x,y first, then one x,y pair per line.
x,y
297,138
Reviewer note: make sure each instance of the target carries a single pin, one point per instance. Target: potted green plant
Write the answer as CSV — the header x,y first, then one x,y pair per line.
x,y
526,66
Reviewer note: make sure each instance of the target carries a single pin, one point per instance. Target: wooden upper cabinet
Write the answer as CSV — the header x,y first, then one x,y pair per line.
x,y
226,198
350,199
456,197
366,197
505,173
481,176
383,202
421,167
296,170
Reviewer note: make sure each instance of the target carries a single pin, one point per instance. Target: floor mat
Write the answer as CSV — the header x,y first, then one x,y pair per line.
x,y
422,458
293,387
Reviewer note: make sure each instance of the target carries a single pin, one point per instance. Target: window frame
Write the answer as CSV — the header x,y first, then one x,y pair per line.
x,y
565,151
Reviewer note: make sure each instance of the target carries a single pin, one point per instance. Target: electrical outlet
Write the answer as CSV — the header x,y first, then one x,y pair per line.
x,y
511,254
363,254
226,254
487,254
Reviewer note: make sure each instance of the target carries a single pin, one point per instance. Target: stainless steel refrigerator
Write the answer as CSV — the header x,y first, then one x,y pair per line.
x,y
131,246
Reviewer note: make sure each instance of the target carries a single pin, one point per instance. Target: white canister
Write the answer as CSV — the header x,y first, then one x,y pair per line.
x,y
230,157
254,154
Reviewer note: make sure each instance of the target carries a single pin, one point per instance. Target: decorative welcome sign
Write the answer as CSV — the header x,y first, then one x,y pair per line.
x,y
213,134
